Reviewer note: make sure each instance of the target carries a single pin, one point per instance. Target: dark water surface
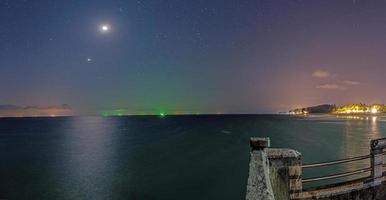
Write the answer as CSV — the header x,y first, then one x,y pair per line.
x,y
185,157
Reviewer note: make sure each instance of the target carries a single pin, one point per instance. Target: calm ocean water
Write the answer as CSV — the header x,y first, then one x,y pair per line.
x,y
153,158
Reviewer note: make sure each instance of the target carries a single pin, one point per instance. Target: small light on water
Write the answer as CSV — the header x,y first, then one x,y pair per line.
x,y
162,114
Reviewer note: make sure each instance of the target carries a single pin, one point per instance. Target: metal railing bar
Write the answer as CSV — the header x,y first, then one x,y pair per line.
x,y
334,162
339,175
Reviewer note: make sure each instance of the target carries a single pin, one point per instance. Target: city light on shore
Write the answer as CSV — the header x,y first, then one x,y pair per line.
x,y
359,109
374,110
345,109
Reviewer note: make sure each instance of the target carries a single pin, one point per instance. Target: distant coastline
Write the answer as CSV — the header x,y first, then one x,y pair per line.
x,y
359,108
35,111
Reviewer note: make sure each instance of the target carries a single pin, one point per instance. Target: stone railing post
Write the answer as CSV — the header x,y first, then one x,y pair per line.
x,y
259,185
376,160
295,177
285,173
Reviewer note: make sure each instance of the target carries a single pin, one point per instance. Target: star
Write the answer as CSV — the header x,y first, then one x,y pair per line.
x,y
89,59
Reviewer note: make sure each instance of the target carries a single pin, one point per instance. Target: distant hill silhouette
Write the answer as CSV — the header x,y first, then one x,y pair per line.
x,y
320,109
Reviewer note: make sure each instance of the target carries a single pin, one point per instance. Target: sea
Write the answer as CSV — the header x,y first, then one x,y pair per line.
x,y
193,157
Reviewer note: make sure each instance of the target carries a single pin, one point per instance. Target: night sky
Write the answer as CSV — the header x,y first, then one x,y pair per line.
x,y
185,56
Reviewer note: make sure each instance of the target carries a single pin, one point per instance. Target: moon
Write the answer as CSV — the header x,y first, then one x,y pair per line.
x,y
104,28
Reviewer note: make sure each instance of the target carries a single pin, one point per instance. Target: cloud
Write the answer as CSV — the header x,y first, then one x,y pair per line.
x,y
321,74
349,82
331,86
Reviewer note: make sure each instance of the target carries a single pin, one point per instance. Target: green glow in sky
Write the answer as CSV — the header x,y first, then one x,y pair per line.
x,y
123,112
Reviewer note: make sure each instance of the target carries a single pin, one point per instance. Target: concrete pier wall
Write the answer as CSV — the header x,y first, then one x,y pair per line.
x,y
272,171
283,171
276,174
259,183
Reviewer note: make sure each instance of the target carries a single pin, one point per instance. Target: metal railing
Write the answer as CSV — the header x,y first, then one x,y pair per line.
x,y
338,175
375,168
335,162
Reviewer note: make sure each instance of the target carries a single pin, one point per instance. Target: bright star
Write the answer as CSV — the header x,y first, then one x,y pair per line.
x,y
89,59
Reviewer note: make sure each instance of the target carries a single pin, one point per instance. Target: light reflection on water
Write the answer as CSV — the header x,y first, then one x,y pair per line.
x,y
355,142
358,131
90,151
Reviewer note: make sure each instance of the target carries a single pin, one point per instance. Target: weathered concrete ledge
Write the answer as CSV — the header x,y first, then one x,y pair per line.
x,y
276,153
